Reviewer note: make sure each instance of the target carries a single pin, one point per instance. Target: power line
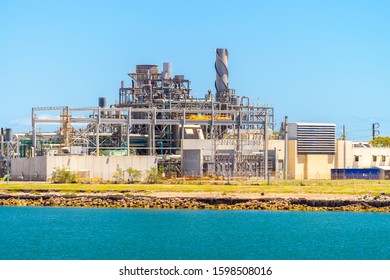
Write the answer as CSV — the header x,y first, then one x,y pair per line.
x,y
375,131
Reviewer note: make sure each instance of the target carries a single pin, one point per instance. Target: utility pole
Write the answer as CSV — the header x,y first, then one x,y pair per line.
x,y
285,167
345,146
344,133
375,131
266,175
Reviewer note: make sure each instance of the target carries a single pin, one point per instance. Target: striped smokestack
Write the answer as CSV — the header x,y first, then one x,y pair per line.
x,y
221,67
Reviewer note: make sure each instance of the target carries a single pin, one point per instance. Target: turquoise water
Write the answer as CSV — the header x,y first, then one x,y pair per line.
x,y
85,233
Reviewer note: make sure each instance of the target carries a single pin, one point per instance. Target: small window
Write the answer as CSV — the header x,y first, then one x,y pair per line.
x,y
374,158
383,158
356,158
189,131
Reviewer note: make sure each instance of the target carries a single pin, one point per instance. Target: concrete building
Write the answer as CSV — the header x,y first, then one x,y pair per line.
x,y
311,150
352,154
201,158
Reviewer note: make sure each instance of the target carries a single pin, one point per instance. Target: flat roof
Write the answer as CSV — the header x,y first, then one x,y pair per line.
x,y
313,123
383,167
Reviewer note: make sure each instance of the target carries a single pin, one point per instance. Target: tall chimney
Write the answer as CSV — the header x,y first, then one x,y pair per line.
x,y
221,67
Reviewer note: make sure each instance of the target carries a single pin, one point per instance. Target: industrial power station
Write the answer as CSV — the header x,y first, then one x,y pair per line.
x,y
155,122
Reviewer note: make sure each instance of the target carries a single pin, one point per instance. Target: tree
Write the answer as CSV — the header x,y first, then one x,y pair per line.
x,y
380,142
134,174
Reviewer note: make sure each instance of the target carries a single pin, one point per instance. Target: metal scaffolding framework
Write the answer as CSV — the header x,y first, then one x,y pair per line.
x,y
113,128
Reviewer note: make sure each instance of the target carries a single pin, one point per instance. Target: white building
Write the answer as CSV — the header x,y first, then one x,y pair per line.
x,y
360,155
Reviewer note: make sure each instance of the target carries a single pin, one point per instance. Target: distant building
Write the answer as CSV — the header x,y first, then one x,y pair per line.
x,y
311,150
352,154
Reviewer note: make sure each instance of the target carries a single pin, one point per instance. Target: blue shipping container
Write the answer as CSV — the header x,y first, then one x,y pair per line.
x,y
355,173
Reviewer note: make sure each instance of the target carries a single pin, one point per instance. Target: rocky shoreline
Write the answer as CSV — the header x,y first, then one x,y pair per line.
x,y
360,204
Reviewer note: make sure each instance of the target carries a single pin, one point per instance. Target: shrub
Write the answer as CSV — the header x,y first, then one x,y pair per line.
x,y
118,175
62,175
134,174
153,175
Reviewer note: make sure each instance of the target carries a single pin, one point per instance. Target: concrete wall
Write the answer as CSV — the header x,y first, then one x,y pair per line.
x,y
195,144
29,169
92,166
192,156
318,166
366,156
292,131
278,144
192,163
277,147
295,169
344,154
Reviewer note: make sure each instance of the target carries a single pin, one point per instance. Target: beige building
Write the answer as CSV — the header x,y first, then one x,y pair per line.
x,y
312,152
360,155
308,166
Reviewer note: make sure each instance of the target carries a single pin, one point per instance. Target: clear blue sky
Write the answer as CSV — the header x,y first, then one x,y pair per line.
x,y
314,61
